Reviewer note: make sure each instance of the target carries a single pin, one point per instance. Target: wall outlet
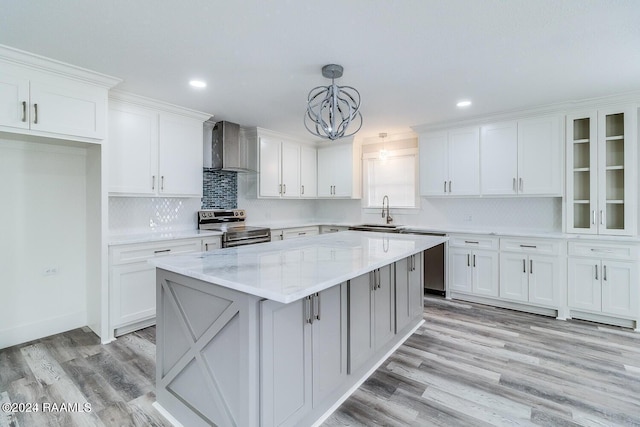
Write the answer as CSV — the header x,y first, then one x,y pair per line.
x,y
467,218
50,271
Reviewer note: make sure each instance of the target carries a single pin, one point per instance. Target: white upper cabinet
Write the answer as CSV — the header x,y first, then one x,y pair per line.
x,y
308,172
180,155
449,163
522,157
68,102
336,171
601,172
279,166
540,170
499,158
133,149
154,151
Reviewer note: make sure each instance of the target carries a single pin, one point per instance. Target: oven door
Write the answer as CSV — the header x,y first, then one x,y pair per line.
x,y
230,240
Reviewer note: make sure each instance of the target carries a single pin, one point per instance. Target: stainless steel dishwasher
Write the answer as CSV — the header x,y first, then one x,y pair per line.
x,y
433,264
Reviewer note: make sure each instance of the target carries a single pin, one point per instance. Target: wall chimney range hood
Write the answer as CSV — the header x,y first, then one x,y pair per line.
x,y
229,152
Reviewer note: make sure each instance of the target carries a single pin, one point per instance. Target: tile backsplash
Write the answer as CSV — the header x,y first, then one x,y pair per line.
x,y
131,215
220,189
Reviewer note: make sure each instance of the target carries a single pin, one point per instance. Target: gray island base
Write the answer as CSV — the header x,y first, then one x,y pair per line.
x,y
279,334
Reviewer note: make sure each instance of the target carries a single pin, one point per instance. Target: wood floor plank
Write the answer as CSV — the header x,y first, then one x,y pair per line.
x,y
7,419
468,365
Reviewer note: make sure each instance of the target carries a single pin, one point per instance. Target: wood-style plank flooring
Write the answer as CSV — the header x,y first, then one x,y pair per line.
x,y
468,365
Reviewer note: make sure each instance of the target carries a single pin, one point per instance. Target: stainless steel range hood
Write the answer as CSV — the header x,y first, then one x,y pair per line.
x,y
229,152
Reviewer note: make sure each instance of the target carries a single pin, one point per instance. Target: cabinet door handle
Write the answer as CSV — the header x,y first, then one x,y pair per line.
x,y
472,242
445,186
468,260
153,182
24,111
161,251
308,310
449,186
601,217
521,184
162,182
528,246
302,189
593,217
596,271
604,272
514,185
317,308
530,266
524,266
474,260
35,110
285,188
206,247
372,278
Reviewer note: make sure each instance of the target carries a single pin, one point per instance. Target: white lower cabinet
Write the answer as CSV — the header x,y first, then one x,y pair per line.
x,y
292,233
473,263
303,358
211,243
530,271
132,281
332,228
371,314
604,286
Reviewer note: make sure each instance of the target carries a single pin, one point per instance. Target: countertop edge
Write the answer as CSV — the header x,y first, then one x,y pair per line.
x,y
164,264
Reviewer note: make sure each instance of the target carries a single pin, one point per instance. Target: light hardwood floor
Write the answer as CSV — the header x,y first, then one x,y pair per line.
x,y
468,365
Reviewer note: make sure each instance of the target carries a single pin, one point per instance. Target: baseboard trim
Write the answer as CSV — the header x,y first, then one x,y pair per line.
x,y
42,328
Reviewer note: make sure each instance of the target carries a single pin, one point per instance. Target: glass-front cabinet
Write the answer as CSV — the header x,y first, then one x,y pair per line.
x,y
601,167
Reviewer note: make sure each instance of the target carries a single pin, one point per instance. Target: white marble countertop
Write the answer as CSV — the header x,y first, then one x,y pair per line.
x,y
125,239
288,270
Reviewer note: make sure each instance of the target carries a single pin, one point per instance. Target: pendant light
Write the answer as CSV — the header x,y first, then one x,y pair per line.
x,y
333,109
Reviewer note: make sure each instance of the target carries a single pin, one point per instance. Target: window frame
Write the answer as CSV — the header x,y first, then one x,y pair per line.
x,y
377,205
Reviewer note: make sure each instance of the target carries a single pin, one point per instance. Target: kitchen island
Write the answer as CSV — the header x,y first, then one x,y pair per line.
x,y
279,334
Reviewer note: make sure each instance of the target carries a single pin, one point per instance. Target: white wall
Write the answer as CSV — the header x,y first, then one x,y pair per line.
x,y
535,214
42,225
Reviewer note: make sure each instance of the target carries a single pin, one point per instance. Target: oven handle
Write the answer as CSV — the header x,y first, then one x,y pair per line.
x,y
245,241
248,238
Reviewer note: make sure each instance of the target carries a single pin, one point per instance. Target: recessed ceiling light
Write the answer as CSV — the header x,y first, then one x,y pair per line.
x,y
198,83
463,104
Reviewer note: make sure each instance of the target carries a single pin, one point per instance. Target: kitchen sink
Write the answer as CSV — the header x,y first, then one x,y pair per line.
x,y
383,228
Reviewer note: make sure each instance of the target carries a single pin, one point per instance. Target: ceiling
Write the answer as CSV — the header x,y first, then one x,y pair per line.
x,y
411,60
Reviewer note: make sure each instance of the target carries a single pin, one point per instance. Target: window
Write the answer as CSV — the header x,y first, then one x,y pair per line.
x,y
394,176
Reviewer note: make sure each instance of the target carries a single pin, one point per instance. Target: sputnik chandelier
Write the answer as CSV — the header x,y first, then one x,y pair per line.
x,y
331,110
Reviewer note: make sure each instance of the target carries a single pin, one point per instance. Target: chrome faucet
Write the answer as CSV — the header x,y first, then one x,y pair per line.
x,y
387,215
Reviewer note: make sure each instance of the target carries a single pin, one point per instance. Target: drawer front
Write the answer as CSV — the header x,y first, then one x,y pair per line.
x,y
300,232
603,250
471,241
211,243
332,229
536,246
123,254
